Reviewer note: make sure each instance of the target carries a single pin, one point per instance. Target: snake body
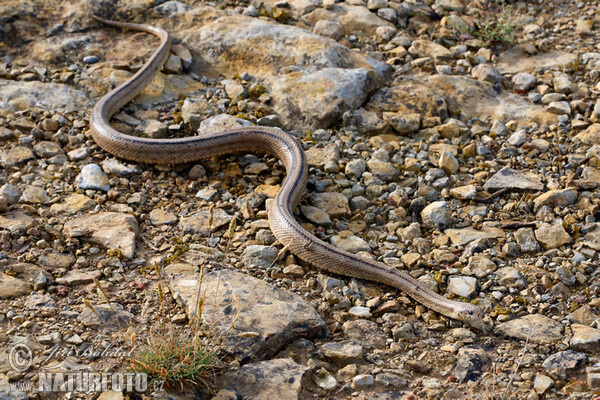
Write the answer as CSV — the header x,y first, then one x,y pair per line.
x,y
246,139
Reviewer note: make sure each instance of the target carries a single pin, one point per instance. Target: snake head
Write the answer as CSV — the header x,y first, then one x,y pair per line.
x,y
468,312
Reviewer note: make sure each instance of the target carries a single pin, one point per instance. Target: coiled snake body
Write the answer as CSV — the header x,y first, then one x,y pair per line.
x,y
245,139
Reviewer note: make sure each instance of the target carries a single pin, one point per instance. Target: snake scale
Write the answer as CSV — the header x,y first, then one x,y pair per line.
x,y
247,139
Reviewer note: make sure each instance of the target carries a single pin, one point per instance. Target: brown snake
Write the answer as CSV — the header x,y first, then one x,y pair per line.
x,y
245,139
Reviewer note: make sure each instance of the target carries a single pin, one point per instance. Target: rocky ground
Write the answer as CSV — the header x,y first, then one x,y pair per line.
x,y
471,163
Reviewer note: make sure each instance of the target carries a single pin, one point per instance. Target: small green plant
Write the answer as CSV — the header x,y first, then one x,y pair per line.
x,y
501,28
178,358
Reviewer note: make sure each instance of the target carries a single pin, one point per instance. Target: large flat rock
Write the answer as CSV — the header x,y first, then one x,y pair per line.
x,y
256,318
535,327
19,96
508,178
517,59
280,378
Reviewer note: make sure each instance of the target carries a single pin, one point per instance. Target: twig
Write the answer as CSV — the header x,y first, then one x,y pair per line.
x,y
488,199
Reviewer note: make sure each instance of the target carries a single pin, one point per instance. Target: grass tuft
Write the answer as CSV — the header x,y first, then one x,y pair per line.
x,y
178,358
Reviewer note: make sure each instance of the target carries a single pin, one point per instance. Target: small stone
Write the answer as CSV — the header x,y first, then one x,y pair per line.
x,y
356,168
556,198
352,244
16,221
510,277
362,381
518,138
111,317
325,380
593,377
436,215
375,5
34,195
116,167
552,236
316,215
10,192
152,128
91,59
75,339
361,312
333,203
259,255
73,204
47,149
448,163
251,11
420,48
92,177
343,352
564,84
207,194
173,65
559,108
471,362
110,229
197,172
162,217
384,170
76,278
486,73
585,338
508,178
235,90
563,363
198,222
541,383
367,122
463,286
583,315
403,123
449,131
15,156
464,192
319,156
523,81
525,238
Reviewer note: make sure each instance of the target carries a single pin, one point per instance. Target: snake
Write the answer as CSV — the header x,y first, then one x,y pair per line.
x,y
271,140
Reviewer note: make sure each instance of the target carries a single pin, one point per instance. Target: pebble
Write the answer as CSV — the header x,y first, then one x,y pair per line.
x,y
361,312
352,244
91,59
92,177
466,192
436,214
362,381
552,236
562,363
463,286
343,352
259,255
542,383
